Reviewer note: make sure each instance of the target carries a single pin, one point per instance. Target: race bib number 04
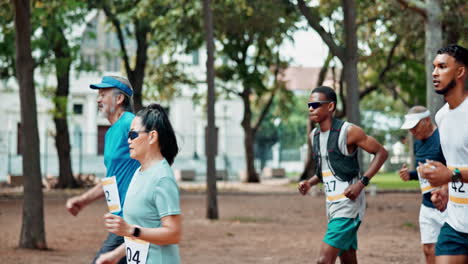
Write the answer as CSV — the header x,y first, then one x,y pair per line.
x,y
111,193
136,250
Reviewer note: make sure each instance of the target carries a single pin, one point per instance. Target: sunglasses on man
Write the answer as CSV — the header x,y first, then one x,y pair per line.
x,y
134,134
317,104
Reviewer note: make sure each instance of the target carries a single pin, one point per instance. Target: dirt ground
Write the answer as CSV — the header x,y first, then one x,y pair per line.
x,y
281,227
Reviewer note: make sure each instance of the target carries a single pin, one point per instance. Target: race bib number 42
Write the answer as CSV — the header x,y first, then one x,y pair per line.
x,y
136,250
111,193
458,191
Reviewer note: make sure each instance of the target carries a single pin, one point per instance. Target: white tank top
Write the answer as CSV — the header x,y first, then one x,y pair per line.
x,y
453,129
338,205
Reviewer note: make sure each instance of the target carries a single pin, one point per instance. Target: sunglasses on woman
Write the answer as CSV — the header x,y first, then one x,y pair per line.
x,y
317,104
132,134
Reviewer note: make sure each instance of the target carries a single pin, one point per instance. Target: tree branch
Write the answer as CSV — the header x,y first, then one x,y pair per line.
x,y
340,114
388,66
415,5
396,94
369,20
111,16
314,22
229,90
276,86
324,70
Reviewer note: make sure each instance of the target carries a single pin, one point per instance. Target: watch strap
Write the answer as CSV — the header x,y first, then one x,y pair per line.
x,y
365,180
456,175
136,231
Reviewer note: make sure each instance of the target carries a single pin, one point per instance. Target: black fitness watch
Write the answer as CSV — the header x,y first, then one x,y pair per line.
x,y
456,175
136,232
365,180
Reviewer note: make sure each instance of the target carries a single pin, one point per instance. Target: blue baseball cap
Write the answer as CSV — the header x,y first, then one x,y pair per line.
x,y
111,82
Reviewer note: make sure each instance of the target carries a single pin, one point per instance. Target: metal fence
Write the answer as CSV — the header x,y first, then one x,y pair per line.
x,y
85,160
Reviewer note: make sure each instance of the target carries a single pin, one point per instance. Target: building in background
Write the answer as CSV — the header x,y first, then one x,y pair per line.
x,y
87,128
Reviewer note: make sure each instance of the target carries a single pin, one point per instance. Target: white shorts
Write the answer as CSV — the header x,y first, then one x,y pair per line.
x,y
430,222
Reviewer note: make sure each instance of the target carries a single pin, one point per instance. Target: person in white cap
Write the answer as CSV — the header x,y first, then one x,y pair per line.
x,y
115,102
426,147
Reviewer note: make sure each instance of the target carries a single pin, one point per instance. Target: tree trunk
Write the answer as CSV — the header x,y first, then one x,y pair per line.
x,y
32,229
351,61
62,143
137,76
309,167
62,136
211,193
433,33
249,137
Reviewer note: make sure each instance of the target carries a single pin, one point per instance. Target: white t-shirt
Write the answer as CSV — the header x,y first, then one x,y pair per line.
x,y
453,129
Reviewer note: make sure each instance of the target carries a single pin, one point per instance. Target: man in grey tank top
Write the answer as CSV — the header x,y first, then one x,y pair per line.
x,y
335,145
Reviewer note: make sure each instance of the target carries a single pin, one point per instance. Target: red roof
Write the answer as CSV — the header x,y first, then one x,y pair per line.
x,y
305,78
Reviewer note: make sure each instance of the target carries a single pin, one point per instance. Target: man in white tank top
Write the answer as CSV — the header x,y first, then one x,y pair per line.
x,y
449,78
343,184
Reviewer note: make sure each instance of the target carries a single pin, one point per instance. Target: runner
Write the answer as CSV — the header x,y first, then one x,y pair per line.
x,y
426,147
449,78
151,223
335,146
115,103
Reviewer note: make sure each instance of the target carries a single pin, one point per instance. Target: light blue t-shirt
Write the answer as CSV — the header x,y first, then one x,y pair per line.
x,y
152,195
117,155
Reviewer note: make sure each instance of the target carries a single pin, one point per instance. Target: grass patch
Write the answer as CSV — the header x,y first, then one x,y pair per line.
x,y
408,224
392,181
248,219
293,175
386,181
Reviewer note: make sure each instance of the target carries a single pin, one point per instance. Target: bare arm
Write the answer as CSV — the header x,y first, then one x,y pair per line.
x,y
357,136
113,256
169,233
304,186
439,197
76,204
439,174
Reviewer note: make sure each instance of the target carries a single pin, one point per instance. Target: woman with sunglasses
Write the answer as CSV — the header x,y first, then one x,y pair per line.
x,y
151,222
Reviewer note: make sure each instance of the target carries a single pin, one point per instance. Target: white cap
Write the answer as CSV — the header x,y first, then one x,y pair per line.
x,y
411,120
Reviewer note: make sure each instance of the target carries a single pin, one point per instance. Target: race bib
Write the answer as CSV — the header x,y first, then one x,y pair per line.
x,y
136,250
334,188
424,184
458,191
111,192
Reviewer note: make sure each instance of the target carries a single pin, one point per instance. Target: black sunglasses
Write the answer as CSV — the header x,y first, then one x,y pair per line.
x,y
317,104
134,134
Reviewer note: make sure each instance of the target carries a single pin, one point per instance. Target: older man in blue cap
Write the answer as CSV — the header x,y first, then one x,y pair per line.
x,y
115,102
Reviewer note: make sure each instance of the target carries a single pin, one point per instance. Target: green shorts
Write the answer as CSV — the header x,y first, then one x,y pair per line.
x,y
342,233
451,242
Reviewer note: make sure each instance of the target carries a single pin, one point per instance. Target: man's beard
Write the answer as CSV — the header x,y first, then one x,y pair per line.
x,y
447,88
106,110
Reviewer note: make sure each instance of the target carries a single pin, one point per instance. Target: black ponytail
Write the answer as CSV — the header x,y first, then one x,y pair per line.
x,y
154,117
